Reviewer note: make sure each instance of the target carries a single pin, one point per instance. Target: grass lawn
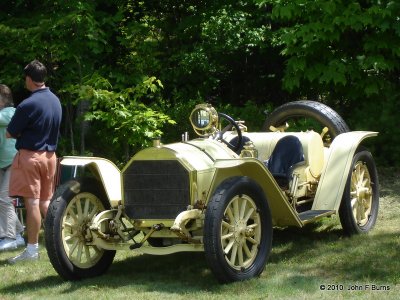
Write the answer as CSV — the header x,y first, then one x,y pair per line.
x,y
315,262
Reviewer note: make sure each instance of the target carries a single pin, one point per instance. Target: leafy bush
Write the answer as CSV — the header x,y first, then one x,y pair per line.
x,y
122,113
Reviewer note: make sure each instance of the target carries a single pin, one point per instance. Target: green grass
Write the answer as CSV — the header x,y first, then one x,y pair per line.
x,y
301,261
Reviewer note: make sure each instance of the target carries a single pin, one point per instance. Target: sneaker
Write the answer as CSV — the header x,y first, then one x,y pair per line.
x,y
20,241
8,244
24,256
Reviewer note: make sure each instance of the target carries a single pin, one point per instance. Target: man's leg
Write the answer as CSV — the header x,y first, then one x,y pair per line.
x,y
33,224
33,219
44,205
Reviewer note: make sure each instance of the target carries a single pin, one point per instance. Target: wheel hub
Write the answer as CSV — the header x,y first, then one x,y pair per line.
x,y
76,233
83,230
240,231
362,193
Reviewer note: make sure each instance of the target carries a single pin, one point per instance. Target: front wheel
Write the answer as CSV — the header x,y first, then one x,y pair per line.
x,y
67,234
237,230
360,203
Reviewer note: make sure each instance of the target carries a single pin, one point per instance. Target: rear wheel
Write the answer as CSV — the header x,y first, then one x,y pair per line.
x,y
67,233
360,203
237,230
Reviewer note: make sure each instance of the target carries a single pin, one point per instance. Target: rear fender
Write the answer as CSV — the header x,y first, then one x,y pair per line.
x,y
336,169
281,210
102,169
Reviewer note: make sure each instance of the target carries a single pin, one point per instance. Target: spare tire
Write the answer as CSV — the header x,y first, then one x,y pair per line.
x,y
306,114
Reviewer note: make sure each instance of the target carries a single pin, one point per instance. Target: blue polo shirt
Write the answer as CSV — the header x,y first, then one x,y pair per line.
x,y
36,122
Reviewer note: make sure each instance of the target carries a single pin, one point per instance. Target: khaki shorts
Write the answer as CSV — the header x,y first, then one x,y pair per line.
x,y
32,174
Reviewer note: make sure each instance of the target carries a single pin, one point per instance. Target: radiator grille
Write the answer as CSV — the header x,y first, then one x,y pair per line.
x,y
156,189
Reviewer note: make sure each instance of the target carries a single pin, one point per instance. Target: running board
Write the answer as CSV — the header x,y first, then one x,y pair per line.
x,y
311,215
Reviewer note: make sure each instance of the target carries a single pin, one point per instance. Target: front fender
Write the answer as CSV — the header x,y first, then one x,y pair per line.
x,y
336,169
104,170
281,210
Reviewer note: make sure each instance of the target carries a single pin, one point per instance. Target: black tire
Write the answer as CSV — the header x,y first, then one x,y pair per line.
x,y
362,192
62,230
323,115
252,238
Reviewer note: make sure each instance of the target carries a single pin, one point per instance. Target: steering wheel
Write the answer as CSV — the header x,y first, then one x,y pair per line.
x,y
219,134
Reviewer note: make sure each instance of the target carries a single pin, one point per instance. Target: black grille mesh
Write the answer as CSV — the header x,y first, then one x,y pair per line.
x,y
155,189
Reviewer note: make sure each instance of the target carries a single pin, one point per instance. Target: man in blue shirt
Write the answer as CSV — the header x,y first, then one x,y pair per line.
x,y
35,126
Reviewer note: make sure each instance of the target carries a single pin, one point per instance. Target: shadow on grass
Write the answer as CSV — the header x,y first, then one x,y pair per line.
x,y
330,253
308,253
25,286
175,273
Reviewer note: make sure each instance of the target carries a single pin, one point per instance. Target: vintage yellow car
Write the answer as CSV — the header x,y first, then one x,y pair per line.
x,y
221,193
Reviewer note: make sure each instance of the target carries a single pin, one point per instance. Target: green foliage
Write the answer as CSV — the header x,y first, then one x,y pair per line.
x,y
229,53
82,43
345,53
64,36
386,146
122,112
208,49
231,29
179,111
344,49
253,114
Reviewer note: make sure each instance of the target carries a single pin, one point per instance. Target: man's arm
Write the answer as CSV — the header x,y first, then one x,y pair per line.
x,y
8,135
